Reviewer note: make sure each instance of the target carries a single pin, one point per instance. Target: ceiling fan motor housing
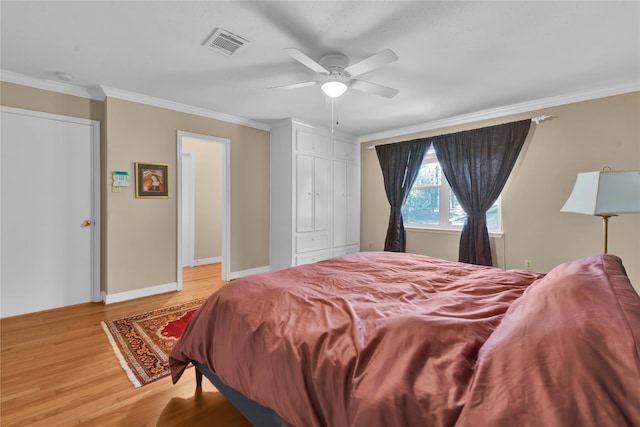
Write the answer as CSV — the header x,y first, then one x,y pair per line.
x,y
335,63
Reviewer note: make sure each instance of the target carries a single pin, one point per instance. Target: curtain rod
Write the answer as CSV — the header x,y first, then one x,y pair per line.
x,y
537,120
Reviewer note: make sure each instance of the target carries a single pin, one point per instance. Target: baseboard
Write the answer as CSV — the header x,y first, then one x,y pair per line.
x,y
138,293
204,261
169,287
242,273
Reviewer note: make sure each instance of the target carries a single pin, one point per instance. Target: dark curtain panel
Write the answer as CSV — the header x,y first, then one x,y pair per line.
x,y
400,165
477,164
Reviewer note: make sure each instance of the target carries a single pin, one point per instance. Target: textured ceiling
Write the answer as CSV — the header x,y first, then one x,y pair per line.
x,y
455,58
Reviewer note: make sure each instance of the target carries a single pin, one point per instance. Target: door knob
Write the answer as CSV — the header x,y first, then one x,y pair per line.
x,y
86,223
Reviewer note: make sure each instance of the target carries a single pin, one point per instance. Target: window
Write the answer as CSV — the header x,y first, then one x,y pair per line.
x,y
432,204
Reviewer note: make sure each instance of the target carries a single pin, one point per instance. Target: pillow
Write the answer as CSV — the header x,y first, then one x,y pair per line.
x,y
565,354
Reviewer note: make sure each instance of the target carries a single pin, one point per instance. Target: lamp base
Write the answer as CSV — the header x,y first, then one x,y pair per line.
x,y
605,229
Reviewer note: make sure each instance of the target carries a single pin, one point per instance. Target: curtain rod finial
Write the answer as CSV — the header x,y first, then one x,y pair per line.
x,y
539,119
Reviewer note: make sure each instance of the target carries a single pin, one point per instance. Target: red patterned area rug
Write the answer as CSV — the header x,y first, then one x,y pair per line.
x,y
142,342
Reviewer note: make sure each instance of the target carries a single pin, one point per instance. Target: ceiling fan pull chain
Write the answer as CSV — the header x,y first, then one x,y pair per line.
x,y
332,99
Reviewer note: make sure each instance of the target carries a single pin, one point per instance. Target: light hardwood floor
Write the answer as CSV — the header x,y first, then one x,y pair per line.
x,y
58,369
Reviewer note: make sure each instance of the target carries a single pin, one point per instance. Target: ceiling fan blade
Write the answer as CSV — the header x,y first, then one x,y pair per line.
x,y
295,85
305,60
374,88
385,57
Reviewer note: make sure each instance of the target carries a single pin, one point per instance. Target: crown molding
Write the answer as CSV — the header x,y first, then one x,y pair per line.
x,y
507,110
183,108
99,93
50,85
312,126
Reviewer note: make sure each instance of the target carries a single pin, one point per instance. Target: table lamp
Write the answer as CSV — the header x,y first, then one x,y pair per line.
x,y
605,193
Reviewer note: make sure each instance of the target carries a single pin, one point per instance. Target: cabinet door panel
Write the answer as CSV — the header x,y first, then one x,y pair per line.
x,y
314,242
339,203
312,142
315,257
353,203
345,150
321,187
304,193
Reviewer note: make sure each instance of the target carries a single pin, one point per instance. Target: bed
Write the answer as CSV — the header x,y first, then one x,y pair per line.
x,y
393,339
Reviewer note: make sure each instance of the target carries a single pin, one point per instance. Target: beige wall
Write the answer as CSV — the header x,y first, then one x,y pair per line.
x,y
584,136
208,197
28,98
139,235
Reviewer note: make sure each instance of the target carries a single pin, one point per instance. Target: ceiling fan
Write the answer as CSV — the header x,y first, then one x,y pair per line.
x,y
336,75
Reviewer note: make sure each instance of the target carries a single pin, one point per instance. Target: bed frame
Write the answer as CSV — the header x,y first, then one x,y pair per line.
x,y
257,414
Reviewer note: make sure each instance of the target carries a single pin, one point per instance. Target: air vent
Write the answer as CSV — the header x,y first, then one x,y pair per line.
x,y
224,42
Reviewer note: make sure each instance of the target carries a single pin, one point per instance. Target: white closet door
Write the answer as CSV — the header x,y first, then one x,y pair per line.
x,y
47,213
321,188
304,193
339,203
353,203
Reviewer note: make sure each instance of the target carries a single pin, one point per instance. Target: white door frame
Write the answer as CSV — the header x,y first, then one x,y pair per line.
x,y
188,207
226,200
95,188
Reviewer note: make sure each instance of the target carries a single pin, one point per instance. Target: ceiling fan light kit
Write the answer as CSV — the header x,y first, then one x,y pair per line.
x,y
334,88
337,75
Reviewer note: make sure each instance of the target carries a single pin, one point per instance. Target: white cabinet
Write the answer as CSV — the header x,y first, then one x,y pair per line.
x,y
315,194
346,204
346,198
312,193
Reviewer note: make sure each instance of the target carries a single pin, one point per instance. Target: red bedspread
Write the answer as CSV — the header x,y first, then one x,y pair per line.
x,y
370,339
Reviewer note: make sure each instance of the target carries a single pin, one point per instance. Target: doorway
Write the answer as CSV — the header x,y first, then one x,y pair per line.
x,y
187,195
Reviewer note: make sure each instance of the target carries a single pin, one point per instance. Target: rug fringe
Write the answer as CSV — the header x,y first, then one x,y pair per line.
x,y
119,355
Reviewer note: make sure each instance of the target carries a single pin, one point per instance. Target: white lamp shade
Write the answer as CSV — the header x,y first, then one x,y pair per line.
x,y
605,193
334,88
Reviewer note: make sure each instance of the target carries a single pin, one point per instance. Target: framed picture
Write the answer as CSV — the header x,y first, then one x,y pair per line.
x,y
152,181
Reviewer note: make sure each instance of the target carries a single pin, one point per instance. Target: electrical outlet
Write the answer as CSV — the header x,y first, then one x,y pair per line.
x,y
528,264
